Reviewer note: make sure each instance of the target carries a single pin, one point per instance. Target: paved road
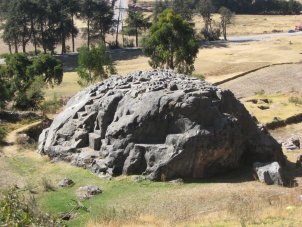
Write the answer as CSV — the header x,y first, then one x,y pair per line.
x,y
261,37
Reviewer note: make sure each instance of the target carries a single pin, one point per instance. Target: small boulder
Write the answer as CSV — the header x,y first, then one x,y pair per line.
x,y
262,107
269,173
293,143
138,178
177,181
88,191
66,182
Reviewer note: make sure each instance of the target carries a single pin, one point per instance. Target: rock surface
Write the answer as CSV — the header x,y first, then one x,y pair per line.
x,y
159,124
293,143
88,191
66,182
269,173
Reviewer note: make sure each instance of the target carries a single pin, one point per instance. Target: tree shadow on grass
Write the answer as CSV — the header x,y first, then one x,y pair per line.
x,y
246,174
239,175
70,61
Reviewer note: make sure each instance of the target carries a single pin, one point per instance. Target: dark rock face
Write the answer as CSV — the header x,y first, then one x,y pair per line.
x,y
159,124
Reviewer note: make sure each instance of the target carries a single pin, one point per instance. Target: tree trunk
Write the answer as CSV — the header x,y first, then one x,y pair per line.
x,y
23,40
117,28
72,34
34,35
123,33
42,37
225,33
63,40
10,47
136,36
23,45
88,34
16,46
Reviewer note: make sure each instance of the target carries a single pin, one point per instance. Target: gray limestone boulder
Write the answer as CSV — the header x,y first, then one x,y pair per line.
x,y
269,173
66,182
159,124
86,192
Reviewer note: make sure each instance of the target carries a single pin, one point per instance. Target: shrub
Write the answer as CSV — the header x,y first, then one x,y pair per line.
x,y
17,211
47,185
211,35
2,135
295,100
51,106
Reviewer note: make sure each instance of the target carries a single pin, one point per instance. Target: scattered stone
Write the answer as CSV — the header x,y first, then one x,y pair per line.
x,y
269,173
66,182
87,192
177,181
254,101
293,143
138,178
267,101
263,107
104,176
22,139
159,124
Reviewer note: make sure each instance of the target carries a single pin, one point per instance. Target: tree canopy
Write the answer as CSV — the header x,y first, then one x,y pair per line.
x,y
95,64
171,43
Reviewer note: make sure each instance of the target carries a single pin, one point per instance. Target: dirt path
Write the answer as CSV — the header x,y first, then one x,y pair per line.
x,y
280,78
7,176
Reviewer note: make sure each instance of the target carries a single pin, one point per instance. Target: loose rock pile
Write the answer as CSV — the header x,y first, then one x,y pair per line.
x,y
160,124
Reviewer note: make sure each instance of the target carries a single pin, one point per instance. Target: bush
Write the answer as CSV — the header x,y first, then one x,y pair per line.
x,y
295,100
211,35
32,97
17,211
95,64
2,135
51,106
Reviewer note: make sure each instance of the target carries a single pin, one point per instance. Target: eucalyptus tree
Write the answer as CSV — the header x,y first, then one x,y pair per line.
x,y
171,43
136,22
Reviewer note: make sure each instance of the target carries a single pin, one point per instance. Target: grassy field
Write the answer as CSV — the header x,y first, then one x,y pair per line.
x,y
242,25
231,200
280,106
225,61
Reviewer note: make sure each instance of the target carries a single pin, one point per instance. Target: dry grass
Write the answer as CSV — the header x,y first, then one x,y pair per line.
x,y
279,107
255,24
68,87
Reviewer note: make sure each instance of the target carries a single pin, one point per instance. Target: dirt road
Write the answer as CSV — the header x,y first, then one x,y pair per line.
x,y
7,176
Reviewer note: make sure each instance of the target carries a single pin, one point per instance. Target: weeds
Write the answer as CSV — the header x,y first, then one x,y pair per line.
x,y
17,211
2,135
51,106
47,185
295,100
243,207
260,92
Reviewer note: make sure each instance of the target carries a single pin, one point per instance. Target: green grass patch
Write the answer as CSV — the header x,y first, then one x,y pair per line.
x,y
67,88
280,106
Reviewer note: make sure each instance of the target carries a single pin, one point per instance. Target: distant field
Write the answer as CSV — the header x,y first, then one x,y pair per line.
x,y
214,62
243,25
257,24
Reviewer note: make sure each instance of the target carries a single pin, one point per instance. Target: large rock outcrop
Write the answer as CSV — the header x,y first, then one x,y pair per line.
x,y
159,124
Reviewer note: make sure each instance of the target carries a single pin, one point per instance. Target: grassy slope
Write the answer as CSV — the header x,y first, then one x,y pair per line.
x,y
124,201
